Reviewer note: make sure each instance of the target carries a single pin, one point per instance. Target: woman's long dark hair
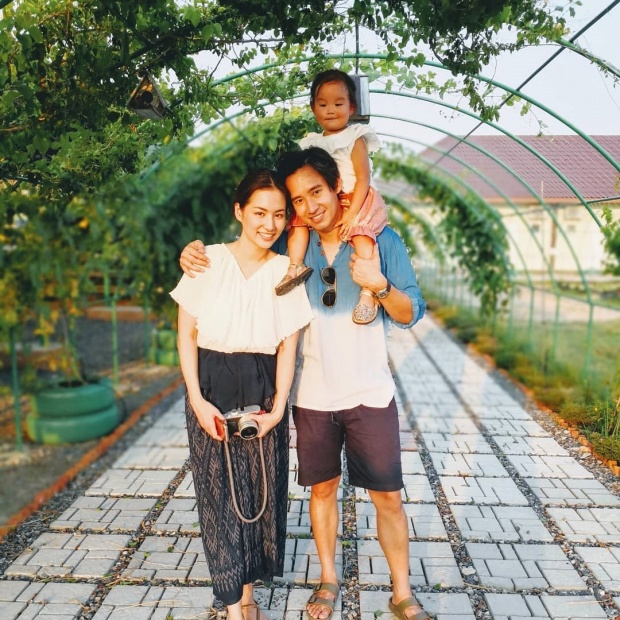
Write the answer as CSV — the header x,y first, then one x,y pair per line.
x,y
259,179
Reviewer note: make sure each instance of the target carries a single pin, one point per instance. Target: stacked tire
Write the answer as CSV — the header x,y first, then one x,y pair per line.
x,y
164,347
70,414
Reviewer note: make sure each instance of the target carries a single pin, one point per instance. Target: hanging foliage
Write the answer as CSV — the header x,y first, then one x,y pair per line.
x,y
191,197
70,67
611,234
406,220
473,236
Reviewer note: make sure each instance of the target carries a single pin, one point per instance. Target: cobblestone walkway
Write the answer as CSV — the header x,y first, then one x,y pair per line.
x,y
506,522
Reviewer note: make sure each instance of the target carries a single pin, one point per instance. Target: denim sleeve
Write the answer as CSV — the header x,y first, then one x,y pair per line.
x,y
397,268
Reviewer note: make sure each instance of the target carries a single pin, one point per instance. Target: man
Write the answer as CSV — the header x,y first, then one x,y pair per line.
x,y
343,392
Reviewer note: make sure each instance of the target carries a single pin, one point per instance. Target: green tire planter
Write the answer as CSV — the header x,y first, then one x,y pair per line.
x,y
76,400
165,358
58,430
165,339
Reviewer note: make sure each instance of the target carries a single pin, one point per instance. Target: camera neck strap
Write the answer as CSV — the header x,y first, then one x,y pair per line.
x,y
232,483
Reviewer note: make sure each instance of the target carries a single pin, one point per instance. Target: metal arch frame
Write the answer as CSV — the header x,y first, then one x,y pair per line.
x,y
493,210
593,58
508,169
531,100
516,209
476,193
552,215
483,201
499,128
494,213
516,139
520,215
494,158
509,202
505,166
482,78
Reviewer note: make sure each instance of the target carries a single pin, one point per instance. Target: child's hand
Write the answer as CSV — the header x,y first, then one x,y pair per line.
x,y
193,258
346,223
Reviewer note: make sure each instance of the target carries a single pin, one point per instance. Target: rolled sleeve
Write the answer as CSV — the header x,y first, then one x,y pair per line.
x,y
397,268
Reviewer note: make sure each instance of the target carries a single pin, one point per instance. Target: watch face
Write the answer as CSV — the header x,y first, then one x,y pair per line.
x,y
383,293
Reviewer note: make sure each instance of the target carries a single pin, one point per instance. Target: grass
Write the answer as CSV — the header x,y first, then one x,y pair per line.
x,y
606,293
571,347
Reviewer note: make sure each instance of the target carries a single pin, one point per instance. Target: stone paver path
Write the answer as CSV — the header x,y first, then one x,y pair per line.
x,y
505,522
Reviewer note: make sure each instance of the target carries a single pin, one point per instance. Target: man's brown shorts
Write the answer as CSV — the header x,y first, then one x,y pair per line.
x,y
371,442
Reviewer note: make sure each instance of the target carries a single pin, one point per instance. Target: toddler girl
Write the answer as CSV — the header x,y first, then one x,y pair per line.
x,y
364,214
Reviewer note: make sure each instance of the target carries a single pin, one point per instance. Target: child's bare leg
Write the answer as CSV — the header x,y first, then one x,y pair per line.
x,y
366,309
298,239
363,245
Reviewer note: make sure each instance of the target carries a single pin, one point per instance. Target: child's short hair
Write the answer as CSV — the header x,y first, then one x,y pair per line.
x,y
332,75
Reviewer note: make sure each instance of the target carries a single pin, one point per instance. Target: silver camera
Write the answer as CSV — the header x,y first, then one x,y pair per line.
x,y
239,421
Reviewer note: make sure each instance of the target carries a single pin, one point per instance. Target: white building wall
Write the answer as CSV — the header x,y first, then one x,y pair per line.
x,y
579,228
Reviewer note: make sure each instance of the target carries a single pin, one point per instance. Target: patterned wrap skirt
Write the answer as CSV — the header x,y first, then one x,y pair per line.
x,y
239,553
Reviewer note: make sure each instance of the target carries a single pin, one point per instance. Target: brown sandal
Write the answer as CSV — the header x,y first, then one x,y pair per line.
x,y
288,283
317,600
252,606
399,610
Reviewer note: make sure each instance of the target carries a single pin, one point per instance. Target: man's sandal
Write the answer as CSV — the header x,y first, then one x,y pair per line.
x,y
399,610
363,314
315,599
288,283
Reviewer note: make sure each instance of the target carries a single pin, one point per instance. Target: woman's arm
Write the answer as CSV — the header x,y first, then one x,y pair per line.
x,y
188,356
285,370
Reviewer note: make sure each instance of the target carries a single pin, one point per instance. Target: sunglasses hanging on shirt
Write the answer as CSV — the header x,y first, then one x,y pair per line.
x,y
328,298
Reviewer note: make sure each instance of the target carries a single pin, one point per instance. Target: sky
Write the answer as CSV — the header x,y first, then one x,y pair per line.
x,y
571,86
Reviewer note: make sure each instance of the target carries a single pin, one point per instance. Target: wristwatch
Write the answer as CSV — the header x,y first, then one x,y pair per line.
x,y
384,292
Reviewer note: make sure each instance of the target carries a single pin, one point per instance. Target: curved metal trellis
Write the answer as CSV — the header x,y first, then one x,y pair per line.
x,y
496,126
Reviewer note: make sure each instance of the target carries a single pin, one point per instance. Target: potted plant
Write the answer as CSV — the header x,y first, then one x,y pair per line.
x,y
48,261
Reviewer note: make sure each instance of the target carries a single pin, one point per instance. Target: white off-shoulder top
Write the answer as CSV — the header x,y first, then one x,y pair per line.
x,y
234,314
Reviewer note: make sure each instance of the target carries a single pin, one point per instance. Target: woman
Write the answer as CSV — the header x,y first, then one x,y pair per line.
x,y
237,346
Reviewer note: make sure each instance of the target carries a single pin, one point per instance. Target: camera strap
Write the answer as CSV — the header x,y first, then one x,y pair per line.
x,y
232,483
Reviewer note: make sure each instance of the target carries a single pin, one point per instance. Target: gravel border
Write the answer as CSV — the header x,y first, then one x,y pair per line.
x,y
14,543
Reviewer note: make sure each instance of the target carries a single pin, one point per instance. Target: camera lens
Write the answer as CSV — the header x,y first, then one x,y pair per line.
x,y
248,428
